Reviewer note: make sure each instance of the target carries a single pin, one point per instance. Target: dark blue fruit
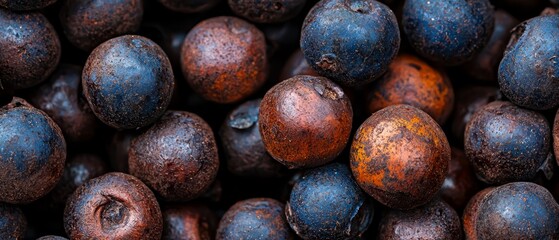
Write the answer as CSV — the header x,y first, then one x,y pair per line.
x,y
29,49
507,143
350,42
128,82
12,222
529,71
519,210
254,219
448,32
326,203
32,153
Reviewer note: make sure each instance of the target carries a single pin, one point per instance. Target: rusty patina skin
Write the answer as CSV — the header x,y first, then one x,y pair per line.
x,y
189,6
25,5
435,220
89,23
257,218
242,142
61,98
296,65
113,206
78,170
224,59
267,11
518,210
305,121
469,218
470,100
32,153
177,156
400,156
507,143
188,222
411,81
12,221
29,49
460,183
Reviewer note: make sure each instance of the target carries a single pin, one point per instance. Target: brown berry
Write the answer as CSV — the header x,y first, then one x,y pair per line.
x,y
305,121
400,156
460,183
188,222
224,59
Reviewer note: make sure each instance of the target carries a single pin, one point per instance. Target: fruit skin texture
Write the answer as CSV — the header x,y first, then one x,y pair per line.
x,y
113,206
25,5
32,153
243,146
189,6
121,94
326,203
61,98
529,71
435,220
350,42
518,210
224,59
411,81
448,32
87,24
507,143
188,222
267,11
305,121
400,157
254,219
177,156
30,52
12,222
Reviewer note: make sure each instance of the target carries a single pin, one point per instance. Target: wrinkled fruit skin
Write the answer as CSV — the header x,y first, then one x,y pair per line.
x,y
61,98
460,183
87,24
122,95
113,206
296,65
177,156
25,5
188,222
12,222
224,59
32,153
253,219
350,42
484,66
78,170
519,210
29,49
189,6
529,71
242,142
400,157
412,81
506,143
305,121
326,203
448,32
435,220
267,11
470,100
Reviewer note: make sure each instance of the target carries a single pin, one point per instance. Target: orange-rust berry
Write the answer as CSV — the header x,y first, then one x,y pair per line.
x,y
224,59
305,121
400,156
412,81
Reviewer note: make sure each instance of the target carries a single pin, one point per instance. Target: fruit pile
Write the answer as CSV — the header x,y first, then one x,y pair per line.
x,y
279,119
